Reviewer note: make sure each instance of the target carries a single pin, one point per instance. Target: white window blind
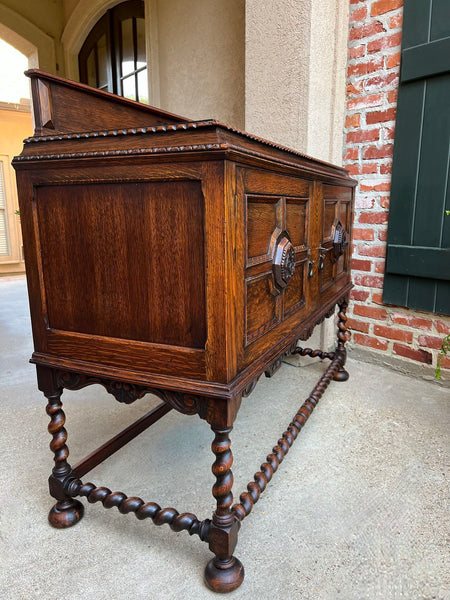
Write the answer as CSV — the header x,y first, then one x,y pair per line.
x,y
4,241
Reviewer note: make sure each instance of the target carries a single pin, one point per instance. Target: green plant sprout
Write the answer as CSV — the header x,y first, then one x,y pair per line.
x,y
445,349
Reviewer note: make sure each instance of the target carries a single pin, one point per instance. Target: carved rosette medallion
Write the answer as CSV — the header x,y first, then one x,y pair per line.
x,y
340,240
283,263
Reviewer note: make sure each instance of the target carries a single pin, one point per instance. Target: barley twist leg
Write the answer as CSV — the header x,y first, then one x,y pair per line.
x,y
342,336
67,511
224,572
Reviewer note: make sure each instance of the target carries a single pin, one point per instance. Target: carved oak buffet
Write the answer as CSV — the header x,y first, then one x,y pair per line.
x,y
177,258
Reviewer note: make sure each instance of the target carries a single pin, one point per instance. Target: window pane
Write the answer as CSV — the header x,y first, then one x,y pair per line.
x,y
143,86
91,69
129,87
102,58
127,48
140,30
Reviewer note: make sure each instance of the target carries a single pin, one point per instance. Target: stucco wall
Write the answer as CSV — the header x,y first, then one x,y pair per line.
x,y
295,73
201,58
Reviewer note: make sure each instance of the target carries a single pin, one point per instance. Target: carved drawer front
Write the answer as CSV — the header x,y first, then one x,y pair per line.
x,y
334,251
275,259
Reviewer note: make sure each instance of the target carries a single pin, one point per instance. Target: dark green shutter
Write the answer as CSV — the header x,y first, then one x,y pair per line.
x,y
418,246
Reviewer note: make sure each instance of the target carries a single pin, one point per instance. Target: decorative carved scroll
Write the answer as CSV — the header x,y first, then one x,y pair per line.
x,y
188,404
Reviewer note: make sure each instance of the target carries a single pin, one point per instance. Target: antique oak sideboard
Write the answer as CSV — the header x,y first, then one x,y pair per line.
x,y
177,258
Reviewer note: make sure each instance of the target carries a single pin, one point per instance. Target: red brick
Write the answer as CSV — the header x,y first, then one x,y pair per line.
x,y
359,295
365,340
386,169
363,68
358,325
353,120
369,168
356,1
380,116
384,6
375,152
382,235
365,101
363,135
379,267
443,327
358,14
418,355
372,250
416,322
363,234
375,187
351,154
368,281
364,202
393,334
357,33
371,312
355,88
387,41
445,362
374,218
393,60
377,298
361,265
430,341
353,169
381,81
392,96
396,21
389,133
356,52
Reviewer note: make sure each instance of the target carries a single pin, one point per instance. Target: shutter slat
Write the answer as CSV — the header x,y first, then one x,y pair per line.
x,y
426,60
431,263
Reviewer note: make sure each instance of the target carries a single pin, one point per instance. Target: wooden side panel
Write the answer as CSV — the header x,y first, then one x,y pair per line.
x,y
125,260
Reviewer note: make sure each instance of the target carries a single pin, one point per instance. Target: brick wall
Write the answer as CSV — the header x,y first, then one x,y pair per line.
x,y
372,81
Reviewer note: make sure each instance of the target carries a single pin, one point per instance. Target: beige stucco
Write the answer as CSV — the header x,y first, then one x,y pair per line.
x,y
295,57
201,58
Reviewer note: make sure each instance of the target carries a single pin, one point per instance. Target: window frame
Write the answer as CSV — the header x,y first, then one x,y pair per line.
x,y
110,25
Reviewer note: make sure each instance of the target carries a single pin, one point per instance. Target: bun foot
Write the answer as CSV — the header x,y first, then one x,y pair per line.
x,y
65,514
224,576
341,375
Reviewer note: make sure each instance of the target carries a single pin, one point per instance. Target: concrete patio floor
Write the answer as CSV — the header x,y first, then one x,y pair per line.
x,y
358,509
